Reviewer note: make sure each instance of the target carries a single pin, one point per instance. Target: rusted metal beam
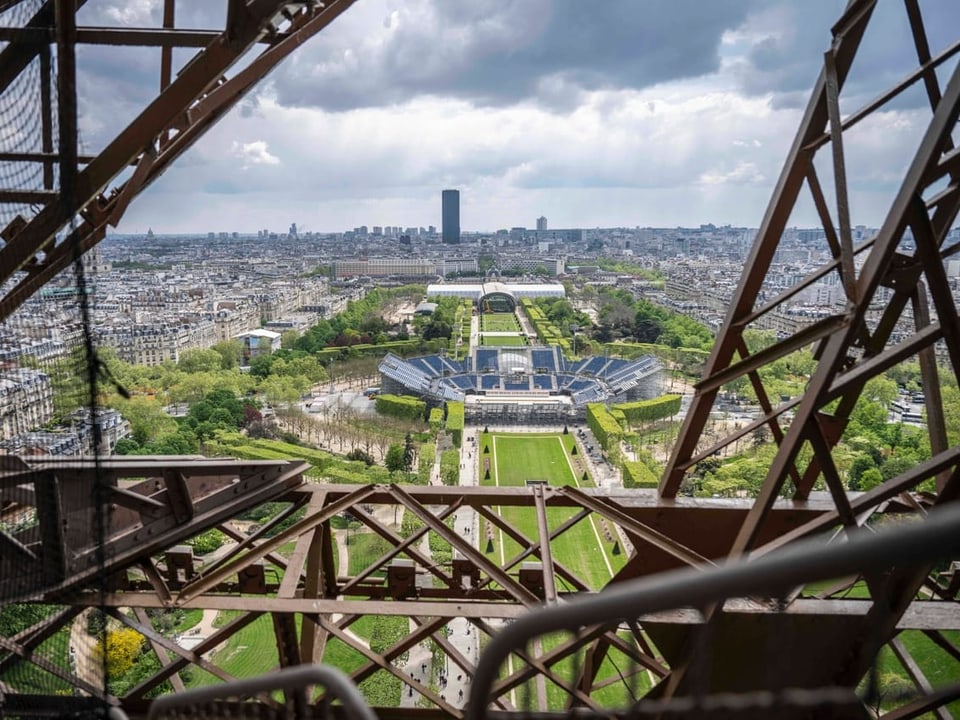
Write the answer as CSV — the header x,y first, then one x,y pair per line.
x,y
641,531
27,197
383,664
757,264
293,574
211,579
532,547
510,586
543,530
832,87
218,96
176,682
916,674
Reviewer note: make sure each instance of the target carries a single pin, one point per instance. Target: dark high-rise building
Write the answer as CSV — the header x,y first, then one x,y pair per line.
x,y
451,216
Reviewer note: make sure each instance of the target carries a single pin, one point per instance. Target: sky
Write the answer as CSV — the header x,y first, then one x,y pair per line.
x,y
618,113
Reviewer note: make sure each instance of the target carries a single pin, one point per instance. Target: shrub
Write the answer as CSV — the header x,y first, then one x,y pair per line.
x,y
121,648
603,425
455,422
638,475
404,407
208,541
645,411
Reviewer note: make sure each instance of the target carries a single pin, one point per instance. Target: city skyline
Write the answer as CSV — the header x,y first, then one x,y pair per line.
x,y
603,117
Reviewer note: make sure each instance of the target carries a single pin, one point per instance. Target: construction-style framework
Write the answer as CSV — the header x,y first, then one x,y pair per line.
x,y
788,640
258,35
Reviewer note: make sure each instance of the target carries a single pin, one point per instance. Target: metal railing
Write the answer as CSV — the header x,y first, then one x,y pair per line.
x,y
909,544
293,682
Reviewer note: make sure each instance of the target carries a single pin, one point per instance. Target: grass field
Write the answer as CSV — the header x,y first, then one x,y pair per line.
x,y
499,322
518,458
365,548
514,460
503,340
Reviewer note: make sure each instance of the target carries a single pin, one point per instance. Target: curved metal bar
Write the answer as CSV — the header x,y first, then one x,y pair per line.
x,y
938,536
293,678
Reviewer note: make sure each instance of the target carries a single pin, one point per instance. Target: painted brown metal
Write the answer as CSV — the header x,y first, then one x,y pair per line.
x,y
202,93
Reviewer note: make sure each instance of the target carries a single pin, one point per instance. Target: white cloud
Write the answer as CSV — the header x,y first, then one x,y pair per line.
x,y
253,153
132,12
704,148
743,172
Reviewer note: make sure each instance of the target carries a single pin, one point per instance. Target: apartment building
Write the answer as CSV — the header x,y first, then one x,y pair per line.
x,y
26,401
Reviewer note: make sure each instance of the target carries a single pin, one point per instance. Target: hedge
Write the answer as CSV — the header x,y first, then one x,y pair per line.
x,y
450,467
428,456
455,421
325,466
604,426
361,349
546,330
644,411
436,420
405,407
638,475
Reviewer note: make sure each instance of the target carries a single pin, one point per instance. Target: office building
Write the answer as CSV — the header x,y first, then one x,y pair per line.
x,y
451,216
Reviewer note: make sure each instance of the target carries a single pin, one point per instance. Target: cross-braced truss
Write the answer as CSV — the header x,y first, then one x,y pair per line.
x,y
258,35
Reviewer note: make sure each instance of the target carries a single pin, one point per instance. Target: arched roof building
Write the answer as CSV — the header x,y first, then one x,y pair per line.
x,y
497,297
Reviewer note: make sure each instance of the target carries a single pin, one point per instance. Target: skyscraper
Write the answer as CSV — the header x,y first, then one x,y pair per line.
x,y
541,223
451,216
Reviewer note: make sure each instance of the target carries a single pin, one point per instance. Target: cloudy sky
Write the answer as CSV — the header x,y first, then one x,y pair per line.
x,y
608,113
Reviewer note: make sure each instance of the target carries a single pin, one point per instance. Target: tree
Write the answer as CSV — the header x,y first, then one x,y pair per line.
x,y
261,366
195,360
870,479
409,453
288,339
394,459
147,419
121,648
860,465
230,352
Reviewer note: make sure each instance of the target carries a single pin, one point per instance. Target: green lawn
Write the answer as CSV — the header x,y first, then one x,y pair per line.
x,y
518,458
514,459
499,322
364,549
503,340
253,651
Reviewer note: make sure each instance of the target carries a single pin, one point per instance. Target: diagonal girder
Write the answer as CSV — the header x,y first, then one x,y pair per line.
x,y
182,112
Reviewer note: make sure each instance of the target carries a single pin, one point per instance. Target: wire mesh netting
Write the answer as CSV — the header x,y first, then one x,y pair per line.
x,y
52,660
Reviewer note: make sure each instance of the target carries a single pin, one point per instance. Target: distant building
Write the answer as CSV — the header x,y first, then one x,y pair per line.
x,y
451,216
256,343
382,267
541,223
26,401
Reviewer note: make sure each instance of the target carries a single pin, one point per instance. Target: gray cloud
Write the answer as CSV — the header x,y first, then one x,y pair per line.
x,y
783,43
503,52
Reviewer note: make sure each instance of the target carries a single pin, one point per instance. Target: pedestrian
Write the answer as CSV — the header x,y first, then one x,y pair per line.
x,y
461,694
459,677
423,667
410,694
